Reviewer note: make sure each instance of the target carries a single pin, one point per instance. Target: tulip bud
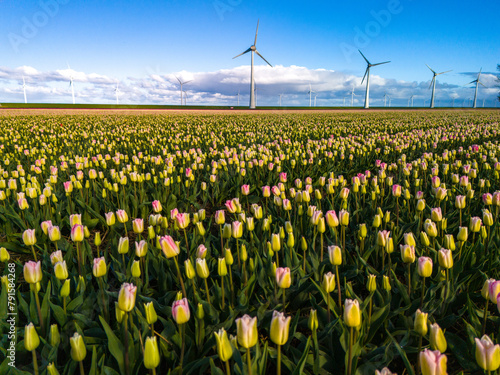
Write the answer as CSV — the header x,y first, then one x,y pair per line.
x,y
407,253
51,369
424,240
78,349
202,268
433,362
283,277
180,311
303,244
4,255
328,282
445,258
29,237
32,272
61,270
437,339
151,353
54,336
275,242
136,269
313,320
126,297
280,327
151,316
475,224
371,284
224,348
247,331
382,237
221,267
65,289
169,247
363,231
335,255
386,283
424,267
352,313
31,339
487,354
119,313
421,323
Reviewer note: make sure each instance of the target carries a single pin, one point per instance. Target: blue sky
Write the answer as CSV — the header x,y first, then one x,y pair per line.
x,y
144,44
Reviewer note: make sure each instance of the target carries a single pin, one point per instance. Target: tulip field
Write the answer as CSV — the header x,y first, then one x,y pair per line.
x,y
237,243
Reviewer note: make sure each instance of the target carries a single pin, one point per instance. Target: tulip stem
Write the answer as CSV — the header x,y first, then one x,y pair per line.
x,y
208,294
485,317
278,370
423,293
328,305
283,300
180,277
249,362
338,287
35,363
37,300
409,279
349,363
34,253
78,259
181,328
304,259
222,288
82,371
419,350
126,358
321,239
238,253
232,287
228,368
187,243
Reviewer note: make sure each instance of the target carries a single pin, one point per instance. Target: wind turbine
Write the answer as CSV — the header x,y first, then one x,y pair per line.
x,y
71,85
433,83
411,100
253,49
310,92
24,90
477,82
367,76
185,97
238,98
385,99
280,99
352,96
117,90
182,84
315,95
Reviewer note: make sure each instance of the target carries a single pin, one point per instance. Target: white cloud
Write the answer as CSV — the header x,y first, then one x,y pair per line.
x,y
221,87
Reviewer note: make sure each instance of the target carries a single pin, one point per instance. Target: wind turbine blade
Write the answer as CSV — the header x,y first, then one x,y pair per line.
x,y
481,84
256,32
248,50
431,69
366,72
385,62
262,57
364,58
444,72
187,81
178,80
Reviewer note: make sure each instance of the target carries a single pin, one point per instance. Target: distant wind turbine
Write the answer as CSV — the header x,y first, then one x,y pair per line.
x,y
71,85
352,96
280,99
238,98
253,49
117,90
477,82
24,90
385,99
182,84
310,92
367,76
411,100
433,83
185,97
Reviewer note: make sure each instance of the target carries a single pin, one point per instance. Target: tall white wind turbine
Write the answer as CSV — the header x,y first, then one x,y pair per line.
x,y
71,85
367,76
117,90
477,82
352,96
24,90
182,84
411,100
310,92
433,83
253,49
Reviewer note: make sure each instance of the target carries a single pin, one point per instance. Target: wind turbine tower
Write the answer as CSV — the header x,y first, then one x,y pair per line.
x,y
433,83
253,49
367,76
352,96
24,91
310,92
477,82
117,90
